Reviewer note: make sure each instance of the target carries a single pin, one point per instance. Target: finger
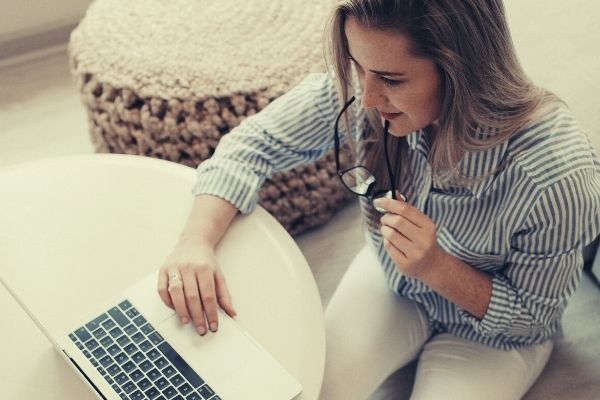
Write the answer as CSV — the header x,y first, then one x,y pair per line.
x,y
175,289
411,213
192,299
397,255
223,295
402,225
206,282
162,288
398,240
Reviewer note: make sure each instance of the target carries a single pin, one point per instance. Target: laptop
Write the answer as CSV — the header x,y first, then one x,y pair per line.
x,y
134,347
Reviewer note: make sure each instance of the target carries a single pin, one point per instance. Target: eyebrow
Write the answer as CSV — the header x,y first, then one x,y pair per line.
x,y
379,72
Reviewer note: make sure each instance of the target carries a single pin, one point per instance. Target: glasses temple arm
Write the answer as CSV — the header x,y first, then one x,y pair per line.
x,y
387,159
336,137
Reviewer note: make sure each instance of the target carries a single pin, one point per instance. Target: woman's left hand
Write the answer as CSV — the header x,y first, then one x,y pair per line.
x,y
409,237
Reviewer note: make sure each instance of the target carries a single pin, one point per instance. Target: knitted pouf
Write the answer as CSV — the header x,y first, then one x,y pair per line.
x,y
167,79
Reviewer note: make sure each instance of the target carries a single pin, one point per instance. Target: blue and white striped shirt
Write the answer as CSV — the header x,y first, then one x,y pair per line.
x,y
526,225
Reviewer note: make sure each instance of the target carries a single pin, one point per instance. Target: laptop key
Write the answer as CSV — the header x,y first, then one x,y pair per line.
x,y
170,392
74,338
144,384
123,396
118,316
161,383
83,334
155,337
115,332
147,328
91,345
153,354
137,395
177,380
116,388
95,323
161,363
87,354
106,361
130,329
99,333
99,352
139,320
132,313
154,374
108,324
169,371
123,341
113,369
185,389
121,378
129,387
121,358
179,363
138,337
206,391
114,349
193,396
128,366
106,341
152,393
124,305
138,357
130,348
145,345
79,345
94,362
136,375
102,371
146,365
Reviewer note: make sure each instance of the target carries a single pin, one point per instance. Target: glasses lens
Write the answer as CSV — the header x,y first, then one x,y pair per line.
x,y
358,180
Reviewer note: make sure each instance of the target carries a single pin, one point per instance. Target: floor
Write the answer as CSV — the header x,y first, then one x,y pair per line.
x,y
41,116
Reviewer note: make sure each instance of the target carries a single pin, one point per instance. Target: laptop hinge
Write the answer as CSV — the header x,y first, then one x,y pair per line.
x,y
85,376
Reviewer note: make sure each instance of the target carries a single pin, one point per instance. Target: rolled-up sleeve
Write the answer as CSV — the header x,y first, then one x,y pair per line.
x,y
545,265
295,128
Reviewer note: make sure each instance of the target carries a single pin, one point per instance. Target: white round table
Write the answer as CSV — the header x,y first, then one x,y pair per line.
x,y
78,230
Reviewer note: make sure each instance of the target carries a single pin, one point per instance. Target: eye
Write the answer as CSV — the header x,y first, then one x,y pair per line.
x,y
390,82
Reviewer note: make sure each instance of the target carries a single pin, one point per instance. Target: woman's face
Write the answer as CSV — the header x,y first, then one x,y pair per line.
x,y
403,89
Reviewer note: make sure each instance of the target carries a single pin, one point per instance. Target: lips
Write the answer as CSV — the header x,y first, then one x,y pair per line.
x,y
390,116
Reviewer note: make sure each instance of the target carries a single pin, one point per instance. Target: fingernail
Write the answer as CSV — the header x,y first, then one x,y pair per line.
x,y
184,320
201,330
213,326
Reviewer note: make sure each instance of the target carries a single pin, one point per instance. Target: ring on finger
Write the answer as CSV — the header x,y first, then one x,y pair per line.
x,y
174,279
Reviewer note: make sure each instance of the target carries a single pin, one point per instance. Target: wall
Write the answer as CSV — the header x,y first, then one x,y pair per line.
x,y
29,17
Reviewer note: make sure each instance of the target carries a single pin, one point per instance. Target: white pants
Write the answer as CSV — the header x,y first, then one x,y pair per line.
x,y
372,332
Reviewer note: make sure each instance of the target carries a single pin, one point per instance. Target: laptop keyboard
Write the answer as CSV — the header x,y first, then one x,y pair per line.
x,y
135,359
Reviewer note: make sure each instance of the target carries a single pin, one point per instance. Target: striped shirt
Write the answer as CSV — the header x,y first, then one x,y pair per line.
x,y
525,225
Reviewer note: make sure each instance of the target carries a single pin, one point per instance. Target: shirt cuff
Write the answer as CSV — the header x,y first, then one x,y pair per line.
x,y
500,312
240,188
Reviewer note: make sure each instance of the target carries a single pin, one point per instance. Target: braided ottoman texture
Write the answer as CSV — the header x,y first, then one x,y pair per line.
x,y
168,79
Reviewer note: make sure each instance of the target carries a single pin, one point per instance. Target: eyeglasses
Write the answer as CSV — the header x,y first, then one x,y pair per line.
x,y
358,179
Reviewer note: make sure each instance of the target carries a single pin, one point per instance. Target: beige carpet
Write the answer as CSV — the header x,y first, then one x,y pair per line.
x,y
41,116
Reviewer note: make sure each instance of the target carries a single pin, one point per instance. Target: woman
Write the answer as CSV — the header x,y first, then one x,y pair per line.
x,y
502,193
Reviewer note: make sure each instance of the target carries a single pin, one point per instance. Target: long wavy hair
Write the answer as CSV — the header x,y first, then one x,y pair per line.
x,y
483,85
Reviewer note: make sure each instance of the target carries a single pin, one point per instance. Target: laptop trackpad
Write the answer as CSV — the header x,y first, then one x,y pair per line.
x,y
214,356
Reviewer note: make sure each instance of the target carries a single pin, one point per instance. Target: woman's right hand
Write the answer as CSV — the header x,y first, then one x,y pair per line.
x,y
191,283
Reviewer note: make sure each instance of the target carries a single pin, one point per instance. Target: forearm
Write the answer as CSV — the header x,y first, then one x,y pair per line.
x,y
208,220
463,285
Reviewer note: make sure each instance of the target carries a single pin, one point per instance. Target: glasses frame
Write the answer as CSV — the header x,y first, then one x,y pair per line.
x,y
371,193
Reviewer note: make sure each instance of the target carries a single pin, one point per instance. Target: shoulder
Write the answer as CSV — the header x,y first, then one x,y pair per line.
x,y
553,148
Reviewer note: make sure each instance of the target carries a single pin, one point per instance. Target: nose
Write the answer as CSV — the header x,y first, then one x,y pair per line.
x,y
373,95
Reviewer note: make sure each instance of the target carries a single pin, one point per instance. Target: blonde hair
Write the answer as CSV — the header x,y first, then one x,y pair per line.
x,y
483,85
